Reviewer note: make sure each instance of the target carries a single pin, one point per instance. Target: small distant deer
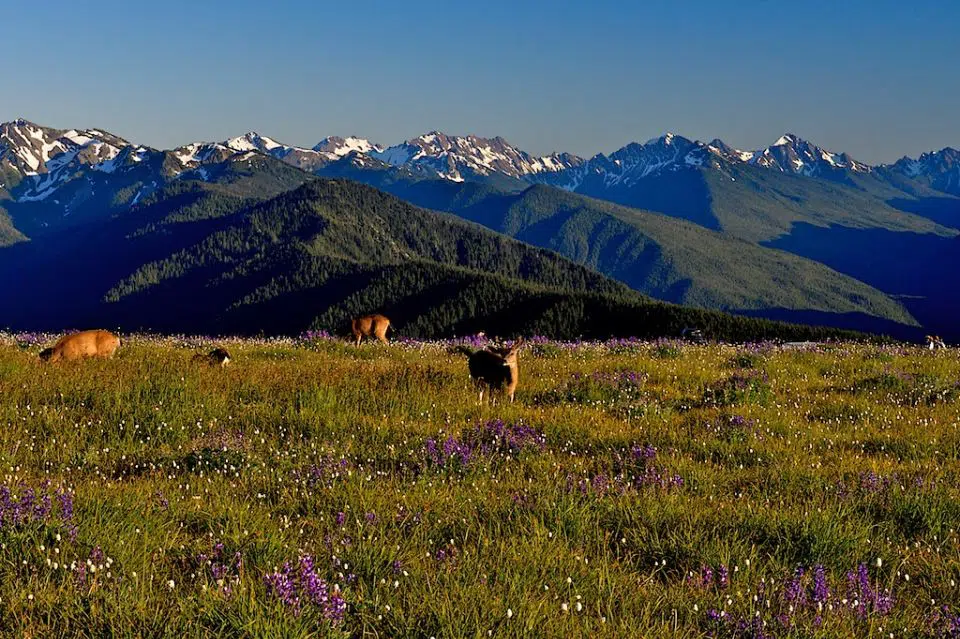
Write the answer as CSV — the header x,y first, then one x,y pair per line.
x,y
217,357
370,326
934,342
95,343
494,368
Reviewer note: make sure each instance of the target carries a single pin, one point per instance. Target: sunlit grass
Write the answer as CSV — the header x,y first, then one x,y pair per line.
x,y
633,489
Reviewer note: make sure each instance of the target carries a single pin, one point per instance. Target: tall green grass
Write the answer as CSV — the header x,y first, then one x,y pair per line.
x,y
654,475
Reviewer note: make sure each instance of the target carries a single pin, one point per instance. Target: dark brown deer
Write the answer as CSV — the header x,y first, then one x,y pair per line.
x,y
370,326
494,369
217,357
95,343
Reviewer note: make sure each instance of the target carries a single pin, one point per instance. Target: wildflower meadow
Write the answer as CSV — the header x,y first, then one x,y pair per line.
x,y
632,489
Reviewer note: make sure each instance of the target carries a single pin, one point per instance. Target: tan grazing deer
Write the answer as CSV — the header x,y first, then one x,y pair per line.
x,y
97,343
217,357
370,326
494,368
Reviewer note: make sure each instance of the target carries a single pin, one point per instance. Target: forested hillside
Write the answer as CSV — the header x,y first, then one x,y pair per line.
x,y
210,256
316,256
657,255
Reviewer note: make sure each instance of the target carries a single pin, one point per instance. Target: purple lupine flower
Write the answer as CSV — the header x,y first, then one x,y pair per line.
x,y
723,576
491,438
821,591
794,592
302,587
313,587
706,579
945,624
80,573
65,500
336,609
643,453
282,585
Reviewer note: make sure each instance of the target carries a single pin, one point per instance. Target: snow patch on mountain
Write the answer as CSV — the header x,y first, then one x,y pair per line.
x,y
792,154
46,158
339,147
461,157
253,141
199,152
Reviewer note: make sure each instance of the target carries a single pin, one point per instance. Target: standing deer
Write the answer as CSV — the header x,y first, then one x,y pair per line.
x,y
494,368
370,326
96,343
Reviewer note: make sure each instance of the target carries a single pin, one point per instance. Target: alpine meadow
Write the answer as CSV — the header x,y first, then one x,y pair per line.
x,y
443,320
313,488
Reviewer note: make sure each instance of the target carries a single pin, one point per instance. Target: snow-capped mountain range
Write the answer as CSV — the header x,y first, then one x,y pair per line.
x,y
670,153
36,161
939,169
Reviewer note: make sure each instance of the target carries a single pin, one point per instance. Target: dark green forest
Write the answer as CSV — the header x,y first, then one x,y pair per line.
x,y
332,249
240,253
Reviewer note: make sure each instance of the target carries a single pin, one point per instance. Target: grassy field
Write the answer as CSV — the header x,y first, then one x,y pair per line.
x,y
634,489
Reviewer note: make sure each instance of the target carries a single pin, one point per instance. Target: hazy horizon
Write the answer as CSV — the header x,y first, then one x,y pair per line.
x,y
874,79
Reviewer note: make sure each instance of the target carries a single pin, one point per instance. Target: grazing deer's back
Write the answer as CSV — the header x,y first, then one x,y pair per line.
x,y
95,343
370,325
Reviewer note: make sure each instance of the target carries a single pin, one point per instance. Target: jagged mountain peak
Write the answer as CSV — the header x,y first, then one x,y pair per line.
x,y
196,153
792,154
251,141
19,122
35,160
724,150
938,169
667,138
788,138
457,157
337,146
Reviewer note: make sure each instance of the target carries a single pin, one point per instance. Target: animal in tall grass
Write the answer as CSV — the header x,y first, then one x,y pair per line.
x,y
94,343
934,342
217,357
494,368
375,325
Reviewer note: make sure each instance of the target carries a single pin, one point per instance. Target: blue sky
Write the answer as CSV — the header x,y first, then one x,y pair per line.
x,y
878,79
